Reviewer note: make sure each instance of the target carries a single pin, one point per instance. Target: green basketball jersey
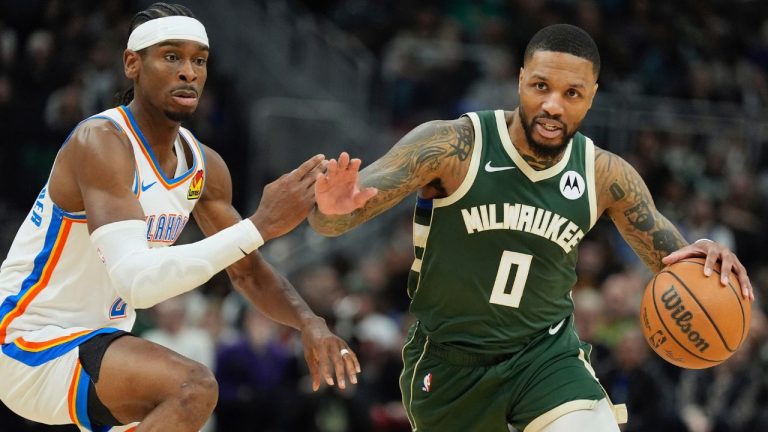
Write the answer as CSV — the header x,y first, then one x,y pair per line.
x,y
495,260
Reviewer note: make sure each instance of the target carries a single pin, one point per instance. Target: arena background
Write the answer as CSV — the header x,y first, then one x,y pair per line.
x,y
683,96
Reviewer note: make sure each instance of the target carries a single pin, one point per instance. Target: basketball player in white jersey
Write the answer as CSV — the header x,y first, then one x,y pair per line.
x,y
94,248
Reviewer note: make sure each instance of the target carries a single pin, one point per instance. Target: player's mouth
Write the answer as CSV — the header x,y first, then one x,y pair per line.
x,y
185,97
549,129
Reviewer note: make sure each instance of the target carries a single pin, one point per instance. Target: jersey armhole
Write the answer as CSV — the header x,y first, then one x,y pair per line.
x,y
79,214
589,170
474,164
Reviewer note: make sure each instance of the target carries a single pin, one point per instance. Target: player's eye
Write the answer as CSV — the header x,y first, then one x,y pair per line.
x,y
171,57
201,61
573,93
540,86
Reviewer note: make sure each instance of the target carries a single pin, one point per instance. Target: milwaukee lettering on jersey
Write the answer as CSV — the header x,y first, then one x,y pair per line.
x,y
521,217
165,228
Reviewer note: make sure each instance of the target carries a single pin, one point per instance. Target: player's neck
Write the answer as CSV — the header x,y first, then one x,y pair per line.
x,y
159,131
520,141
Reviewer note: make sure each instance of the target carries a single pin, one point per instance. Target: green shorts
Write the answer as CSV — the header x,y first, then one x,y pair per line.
x,y
445,389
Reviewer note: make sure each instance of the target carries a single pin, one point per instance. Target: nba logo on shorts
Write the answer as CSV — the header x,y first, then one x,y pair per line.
x,y
427,384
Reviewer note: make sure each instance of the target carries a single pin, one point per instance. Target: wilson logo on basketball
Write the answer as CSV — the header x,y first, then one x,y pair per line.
x,y
682,317
196,186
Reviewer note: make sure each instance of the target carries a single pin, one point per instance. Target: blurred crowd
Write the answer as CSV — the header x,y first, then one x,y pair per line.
x,y
713,49
60,62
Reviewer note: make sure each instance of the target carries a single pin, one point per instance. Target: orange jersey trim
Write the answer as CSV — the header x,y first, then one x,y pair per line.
x,y
24,302
72,395
160,176
32,346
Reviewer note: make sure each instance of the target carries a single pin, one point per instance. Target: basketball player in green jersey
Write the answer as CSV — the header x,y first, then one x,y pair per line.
x,y
503,200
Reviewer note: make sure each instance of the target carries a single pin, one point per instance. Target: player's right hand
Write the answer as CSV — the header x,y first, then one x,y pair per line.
x,y
715,252
286,201
338,191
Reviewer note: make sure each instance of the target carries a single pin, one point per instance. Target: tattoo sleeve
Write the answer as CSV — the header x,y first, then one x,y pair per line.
x,y
625,197
431,152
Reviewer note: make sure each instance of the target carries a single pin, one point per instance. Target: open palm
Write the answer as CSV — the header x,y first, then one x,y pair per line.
x,y
337,191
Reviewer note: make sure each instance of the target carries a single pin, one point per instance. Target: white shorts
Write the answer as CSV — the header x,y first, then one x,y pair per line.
x,y
42,379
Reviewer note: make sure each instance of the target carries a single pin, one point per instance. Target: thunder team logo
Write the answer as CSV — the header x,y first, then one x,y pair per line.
x,y
196,186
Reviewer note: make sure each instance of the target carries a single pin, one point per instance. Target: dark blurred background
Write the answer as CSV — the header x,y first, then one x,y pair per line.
x,y
683,96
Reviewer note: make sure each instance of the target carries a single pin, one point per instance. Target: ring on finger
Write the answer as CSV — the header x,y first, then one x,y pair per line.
x,y
344,352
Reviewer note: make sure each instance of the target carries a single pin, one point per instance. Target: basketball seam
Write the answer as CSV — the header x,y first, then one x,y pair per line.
x,y
661,320
741,307
706,313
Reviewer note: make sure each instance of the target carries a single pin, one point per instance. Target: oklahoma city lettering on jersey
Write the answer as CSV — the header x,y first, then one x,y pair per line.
x,y
53,276
521,217
167,229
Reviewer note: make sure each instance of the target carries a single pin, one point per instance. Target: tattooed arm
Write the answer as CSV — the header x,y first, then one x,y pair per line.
x,y
432,158
623,195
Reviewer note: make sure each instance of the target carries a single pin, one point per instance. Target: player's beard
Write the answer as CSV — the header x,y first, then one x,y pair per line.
x,y
543,150
178,116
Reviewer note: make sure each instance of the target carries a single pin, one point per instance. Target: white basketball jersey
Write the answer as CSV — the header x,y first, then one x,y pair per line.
x,y
53,274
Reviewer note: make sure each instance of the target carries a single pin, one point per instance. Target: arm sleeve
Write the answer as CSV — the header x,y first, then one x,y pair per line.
x,y
145,276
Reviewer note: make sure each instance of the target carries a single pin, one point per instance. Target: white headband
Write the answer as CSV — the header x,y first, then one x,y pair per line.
x,y
167,28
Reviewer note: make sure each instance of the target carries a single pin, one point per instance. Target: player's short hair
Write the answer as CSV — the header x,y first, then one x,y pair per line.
x,y
565,38
156,10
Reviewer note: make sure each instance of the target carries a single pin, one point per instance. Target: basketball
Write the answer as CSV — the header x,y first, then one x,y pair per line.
x,y
691,320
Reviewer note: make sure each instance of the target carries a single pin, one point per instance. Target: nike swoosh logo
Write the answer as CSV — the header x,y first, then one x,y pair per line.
x,y
556,328
490,168
145,187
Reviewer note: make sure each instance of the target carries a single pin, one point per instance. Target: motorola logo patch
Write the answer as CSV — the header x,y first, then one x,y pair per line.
x,y
572,185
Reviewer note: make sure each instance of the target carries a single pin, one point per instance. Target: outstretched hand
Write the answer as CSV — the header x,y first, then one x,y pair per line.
x,y
715,252
286,201
328,356
337,191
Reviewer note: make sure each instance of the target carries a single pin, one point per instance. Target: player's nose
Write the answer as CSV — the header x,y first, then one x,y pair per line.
x,y
187,72
553,105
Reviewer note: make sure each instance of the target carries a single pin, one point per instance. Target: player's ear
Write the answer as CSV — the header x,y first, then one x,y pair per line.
x,y
592,96
131,60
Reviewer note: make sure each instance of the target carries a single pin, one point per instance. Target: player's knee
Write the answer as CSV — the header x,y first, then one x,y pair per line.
x,y
199,391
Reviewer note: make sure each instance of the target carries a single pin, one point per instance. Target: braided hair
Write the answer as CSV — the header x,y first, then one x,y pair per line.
x,y
157,10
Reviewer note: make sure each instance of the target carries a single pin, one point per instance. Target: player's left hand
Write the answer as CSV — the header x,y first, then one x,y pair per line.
x,y
328,356
715,252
